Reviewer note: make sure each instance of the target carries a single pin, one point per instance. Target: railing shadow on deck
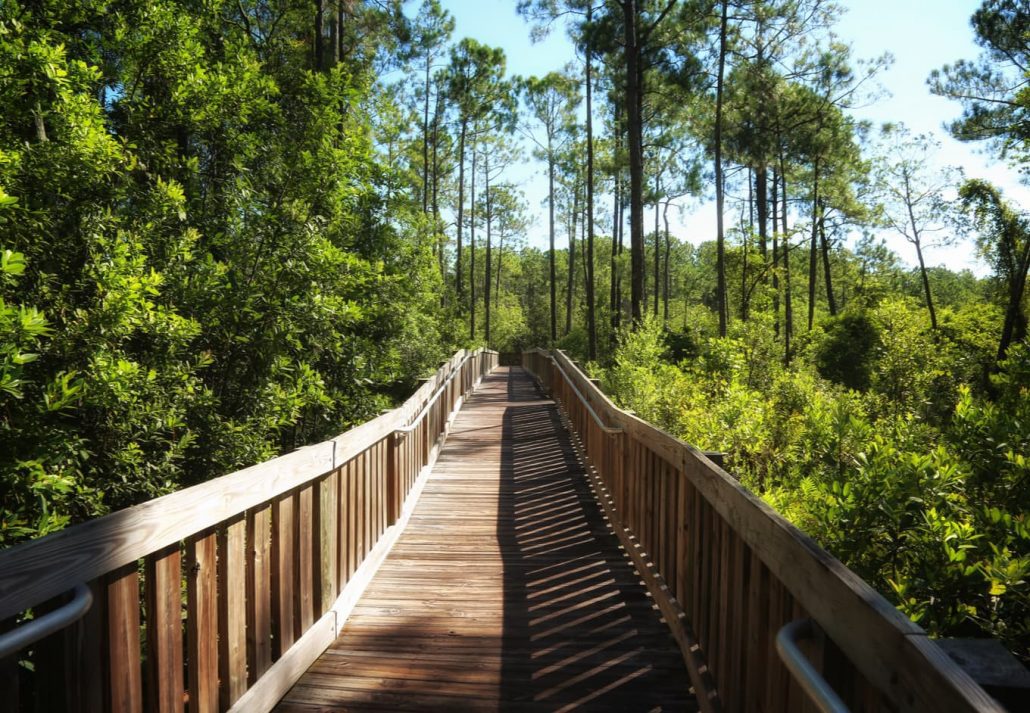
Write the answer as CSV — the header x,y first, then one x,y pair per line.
x,y
221,595
729,573
579,627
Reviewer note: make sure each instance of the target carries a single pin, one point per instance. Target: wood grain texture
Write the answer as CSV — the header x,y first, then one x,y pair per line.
x,y
201,620
123,653
36,571
506,589
894,655
232,612
164,631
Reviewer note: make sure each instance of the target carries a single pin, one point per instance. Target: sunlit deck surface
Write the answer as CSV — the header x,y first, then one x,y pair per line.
x,y
507,590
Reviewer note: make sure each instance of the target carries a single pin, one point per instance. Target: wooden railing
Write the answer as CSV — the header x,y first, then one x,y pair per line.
x,y
219,596
728,573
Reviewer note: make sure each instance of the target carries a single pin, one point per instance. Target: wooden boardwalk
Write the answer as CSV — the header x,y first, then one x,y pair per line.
x,y
506,591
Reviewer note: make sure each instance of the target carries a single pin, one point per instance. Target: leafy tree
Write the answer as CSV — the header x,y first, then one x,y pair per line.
x,y
1004,239
551,100
993,88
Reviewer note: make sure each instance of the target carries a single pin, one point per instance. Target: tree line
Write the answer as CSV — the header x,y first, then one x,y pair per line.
x,y
231,228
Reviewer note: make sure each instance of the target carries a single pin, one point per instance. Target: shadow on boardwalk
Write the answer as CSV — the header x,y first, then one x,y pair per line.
x,y
507,591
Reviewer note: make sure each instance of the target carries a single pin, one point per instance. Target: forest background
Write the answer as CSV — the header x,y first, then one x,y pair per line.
x,y
228,229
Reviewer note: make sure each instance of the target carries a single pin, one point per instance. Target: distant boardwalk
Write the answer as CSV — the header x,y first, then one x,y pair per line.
x,y
507,590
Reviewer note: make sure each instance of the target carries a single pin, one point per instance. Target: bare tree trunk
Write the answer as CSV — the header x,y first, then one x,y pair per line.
x,y
489,264
441,242
570,284
668,249
830,300
425,142
762,207
472,245
1014,327
461,210
550,220
775,254
720,250
919,253
589,262
657,246
812,251
319,29
614,297
634,128
788,312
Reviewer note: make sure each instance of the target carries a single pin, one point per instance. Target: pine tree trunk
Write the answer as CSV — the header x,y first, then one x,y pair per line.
x,y
668,249
489,273
657,248
812,251
774,197
571,282
319,29
425,142
1015,324
926,285
472,245
550,220
634,129
830,299
720,260
788,311
614,306
589,262
461,211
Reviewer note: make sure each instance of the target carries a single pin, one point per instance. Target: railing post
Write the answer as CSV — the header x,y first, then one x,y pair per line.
x,y
392,480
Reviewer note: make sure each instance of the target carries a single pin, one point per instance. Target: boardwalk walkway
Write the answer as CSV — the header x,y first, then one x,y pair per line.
x,y
507,590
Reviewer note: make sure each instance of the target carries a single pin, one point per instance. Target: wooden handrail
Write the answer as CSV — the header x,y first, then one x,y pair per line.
x,y
728,572
273,557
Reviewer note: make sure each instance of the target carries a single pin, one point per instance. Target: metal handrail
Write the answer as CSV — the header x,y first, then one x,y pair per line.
x,y
810,680
586,403
44,626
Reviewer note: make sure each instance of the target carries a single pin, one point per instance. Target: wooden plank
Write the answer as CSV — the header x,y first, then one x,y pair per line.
x,y
304,556
232,611
284,575
259,592
164,631
889,649
328,494
201,621
41,569
125,682
487,571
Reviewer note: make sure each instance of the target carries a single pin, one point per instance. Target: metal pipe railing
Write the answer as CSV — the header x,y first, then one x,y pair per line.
x,y
47,624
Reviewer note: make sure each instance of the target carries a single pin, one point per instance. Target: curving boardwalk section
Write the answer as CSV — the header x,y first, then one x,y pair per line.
x,y
506,591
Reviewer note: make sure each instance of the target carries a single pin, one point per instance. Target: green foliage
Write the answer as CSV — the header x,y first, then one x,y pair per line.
x,y
919,483
847,350
201,216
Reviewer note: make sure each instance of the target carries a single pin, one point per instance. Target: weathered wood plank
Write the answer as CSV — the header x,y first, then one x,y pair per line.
x,y
259,592
201,621
232,613
503,586
125,683
164,630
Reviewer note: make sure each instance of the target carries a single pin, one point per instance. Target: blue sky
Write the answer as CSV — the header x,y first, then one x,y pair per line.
x,y
921,35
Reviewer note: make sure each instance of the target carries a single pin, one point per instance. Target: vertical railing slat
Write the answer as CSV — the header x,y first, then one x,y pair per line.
x,y
232,612
284,577
259,600
202,622
123,645
164,630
